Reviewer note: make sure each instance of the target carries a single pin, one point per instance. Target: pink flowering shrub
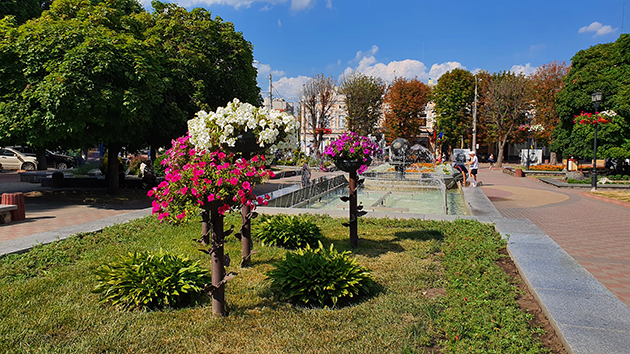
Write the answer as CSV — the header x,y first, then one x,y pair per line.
x,y
195,178
352,146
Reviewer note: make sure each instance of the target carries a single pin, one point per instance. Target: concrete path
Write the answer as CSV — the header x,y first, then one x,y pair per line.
x,y
595,233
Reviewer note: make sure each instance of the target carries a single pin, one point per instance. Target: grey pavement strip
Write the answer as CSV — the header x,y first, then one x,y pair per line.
x,y
587,317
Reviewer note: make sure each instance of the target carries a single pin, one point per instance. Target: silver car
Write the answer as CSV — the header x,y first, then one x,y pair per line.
x,y
12,159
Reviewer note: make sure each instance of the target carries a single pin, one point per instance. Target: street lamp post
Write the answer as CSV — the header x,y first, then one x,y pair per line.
x,y
529,115
597,99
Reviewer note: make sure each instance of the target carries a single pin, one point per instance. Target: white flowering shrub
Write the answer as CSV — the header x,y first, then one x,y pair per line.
x,y
273,130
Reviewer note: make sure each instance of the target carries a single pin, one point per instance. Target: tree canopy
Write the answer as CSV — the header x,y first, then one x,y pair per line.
x,y
507,98
109,72
405,103
603,67
453,97
317,97
364,102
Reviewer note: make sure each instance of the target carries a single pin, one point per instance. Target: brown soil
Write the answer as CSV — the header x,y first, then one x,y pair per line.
x,y
529,304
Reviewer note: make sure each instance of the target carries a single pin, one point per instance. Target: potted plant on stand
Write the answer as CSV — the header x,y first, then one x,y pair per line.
x,y
353,154
244,129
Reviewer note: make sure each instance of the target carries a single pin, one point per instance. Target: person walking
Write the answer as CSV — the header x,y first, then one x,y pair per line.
x,y
491,160
474,167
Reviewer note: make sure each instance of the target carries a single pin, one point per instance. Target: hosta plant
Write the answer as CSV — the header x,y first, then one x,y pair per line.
x,y
289,231
319,277
146,280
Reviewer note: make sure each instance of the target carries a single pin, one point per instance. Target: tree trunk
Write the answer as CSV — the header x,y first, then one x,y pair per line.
x,y
42,164
113,186
500,153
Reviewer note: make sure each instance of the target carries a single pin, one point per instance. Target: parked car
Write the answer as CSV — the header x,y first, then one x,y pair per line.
x,y
13,159
53,159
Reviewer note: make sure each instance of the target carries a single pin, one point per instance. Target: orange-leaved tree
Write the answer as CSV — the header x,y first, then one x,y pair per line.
x,y
405,103
547,82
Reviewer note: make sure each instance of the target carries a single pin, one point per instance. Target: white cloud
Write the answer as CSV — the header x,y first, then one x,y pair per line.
x,y
598,28
290,87
279,23
408,68
329,4
438,70
525,70
277,73
297,5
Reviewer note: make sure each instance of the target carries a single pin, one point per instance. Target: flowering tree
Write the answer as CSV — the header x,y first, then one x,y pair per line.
x,y
200,178
201,175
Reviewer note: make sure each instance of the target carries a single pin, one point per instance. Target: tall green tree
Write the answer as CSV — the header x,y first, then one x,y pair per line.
x,y
364,102
507,98
453,97
405,111
603,67
83,74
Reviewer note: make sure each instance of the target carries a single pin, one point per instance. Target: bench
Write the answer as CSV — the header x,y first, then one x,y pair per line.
x,y
5,213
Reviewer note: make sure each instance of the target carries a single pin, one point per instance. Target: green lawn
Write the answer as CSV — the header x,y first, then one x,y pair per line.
x,y
46,304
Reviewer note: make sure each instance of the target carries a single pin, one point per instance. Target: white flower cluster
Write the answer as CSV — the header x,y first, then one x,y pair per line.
x,y
536,128
608,114
273,130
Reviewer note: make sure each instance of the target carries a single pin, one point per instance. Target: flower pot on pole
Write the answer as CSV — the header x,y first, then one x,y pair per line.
x,y
353,154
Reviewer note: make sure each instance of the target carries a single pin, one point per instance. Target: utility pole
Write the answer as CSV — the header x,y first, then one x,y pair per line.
x,y
474,127
270,93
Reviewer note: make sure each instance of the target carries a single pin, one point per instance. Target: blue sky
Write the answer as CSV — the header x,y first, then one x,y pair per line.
x,y
297,39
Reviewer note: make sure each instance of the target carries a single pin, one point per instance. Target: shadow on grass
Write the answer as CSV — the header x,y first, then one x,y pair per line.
x,y
420,235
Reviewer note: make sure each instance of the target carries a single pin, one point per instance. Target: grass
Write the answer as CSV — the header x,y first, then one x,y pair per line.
x,y
623,196
46,304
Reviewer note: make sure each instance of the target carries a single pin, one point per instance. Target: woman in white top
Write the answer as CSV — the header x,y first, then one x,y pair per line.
x,y
474,167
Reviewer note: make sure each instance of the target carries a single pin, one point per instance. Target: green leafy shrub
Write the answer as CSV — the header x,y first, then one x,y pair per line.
x,y
577,181
319,277
145,280
289,231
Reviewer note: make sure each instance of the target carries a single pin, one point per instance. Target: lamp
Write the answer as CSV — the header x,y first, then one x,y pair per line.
x,y
597,99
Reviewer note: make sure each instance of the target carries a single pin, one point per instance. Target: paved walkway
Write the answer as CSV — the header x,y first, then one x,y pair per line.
x,y
594,232
44,214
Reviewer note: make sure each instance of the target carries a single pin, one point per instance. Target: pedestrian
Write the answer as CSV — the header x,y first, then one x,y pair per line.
x,y
474,167
306,175
491,160
443,157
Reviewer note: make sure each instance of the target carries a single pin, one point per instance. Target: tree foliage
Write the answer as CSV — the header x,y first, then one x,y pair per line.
x,y
453,96
507,98
603,67
546,84
109,72
364,102
317,98
23,10
405,103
